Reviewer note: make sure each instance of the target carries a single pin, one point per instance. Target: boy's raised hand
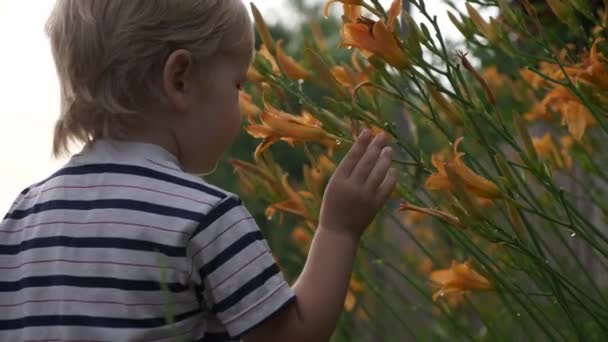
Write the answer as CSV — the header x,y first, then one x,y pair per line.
x,y
359,187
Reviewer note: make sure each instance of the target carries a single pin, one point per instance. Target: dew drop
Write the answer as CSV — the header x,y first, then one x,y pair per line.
x,y
573,234
338,142
269,217
300,101
518,314
441,294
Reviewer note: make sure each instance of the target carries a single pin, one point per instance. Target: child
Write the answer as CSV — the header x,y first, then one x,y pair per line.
x,y
123,243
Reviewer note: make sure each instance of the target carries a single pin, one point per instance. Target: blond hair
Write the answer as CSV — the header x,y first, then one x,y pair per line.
x,y
110,54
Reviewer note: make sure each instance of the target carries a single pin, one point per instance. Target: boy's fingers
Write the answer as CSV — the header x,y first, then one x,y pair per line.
x,y
354,154
379,170
370,158
388,185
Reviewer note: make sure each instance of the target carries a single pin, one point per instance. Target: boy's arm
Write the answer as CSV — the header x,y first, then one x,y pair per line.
x,y
356,192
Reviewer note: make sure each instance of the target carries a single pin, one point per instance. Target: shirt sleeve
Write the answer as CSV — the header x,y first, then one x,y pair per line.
x,y
237,275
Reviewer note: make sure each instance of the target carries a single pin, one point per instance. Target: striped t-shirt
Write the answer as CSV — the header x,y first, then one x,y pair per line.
x,y
122,245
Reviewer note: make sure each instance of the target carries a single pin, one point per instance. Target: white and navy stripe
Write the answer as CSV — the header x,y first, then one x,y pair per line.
x,y
119,240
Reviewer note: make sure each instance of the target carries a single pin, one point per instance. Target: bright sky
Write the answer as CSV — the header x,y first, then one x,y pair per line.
x,y
30,93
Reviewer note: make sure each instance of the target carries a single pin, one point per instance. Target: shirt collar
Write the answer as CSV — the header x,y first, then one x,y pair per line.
x,y
108,149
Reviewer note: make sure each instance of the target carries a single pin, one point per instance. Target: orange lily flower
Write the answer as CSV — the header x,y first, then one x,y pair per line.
x,y
291,68
414,217
279,125
315,176
262,29
457,279
473,182
566,142
352,8
250,174
545,147
264,52
482,82
354,288
424,234
441,215
597,72
301,237
253,75
294,204
485,28
447,107
574,114
377,38
248,108
317,35
425,266
348,77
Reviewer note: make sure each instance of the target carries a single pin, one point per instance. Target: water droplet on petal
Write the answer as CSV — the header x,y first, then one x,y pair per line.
x,y
441,294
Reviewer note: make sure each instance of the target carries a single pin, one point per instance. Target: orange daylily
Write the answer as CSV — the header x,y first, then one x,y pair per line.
x,y
317,35
354,288
250,174
248,108
253,75
425,266
291,68
264,52
574,114
279,125
301,237
566,142
424,234
348,77
262,29
597,72
473,182
495,79
352,8
486,29
441,215
414,217
315,176
377,38
482,82
457,279
294,204
448,108
545,147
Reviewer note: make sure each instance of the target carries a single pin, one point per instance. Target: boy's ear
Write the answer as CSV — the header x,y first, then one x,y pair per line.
x,y
178,77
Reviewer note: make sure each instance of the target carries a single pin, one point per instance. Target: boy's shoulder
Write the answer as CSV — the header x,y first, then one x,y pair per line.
x,y
141,181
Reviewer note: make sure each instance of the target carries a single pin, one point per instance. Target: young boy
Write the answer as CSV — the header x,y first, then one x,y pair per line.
x,y
123,243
